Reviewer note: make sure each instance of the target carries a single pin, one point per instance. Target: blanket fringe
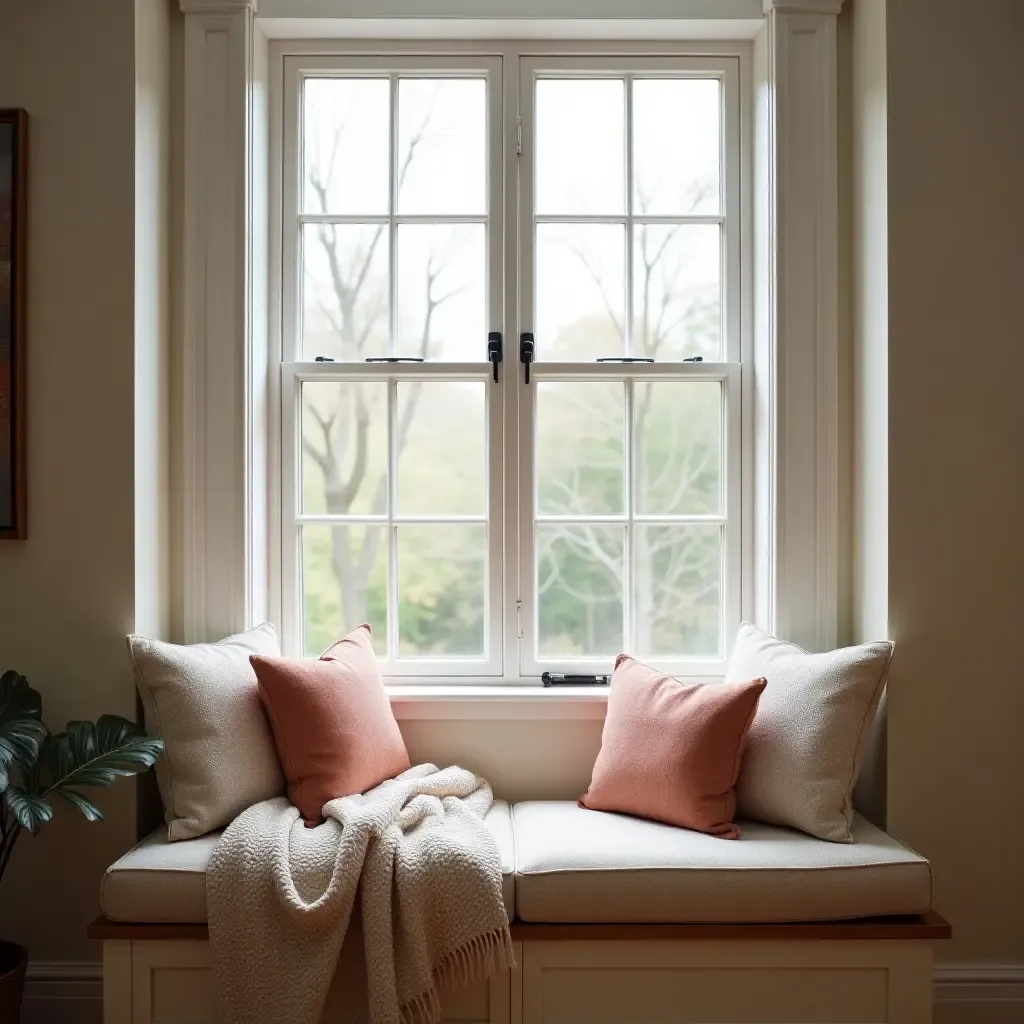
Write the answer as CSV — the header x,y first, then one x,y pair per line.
x,y
478,959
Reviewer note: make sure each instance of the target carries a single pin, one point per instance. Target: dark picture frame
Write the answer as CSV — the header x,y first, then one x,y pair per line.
x,y
13,215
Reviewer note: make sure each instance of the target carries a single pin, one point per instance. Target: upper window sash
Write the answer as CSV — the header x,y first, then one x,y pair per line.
x,y
296,213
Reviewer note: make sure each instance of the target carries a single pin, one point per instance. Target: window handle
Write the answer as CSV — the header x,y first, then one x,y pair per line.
x,y
626,359
494,351
526,350
394,359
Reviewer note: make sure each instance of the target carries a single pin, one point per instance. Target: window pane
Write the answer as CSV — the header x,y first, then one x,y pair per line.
x,y
441,591
442,296
344,583
677,291
441,437
344,291
579,591
344,448
676,146
579,464
581,290
580,159
345,145
678,440
442,145
678,590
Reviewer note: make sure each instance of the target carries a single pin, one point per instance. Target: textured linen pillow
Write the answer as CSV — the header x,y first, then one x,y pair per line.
x,y
332,722
201,700
671,751
810,731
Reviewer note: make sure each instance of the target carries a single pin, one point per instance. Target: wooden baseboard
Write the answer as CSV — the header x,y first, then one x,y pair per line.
x,y
923,926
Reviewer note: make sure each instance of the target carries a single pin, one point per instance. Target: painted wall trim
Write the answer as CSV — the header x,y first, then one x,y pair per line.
x,y
796,360
217,6
227,541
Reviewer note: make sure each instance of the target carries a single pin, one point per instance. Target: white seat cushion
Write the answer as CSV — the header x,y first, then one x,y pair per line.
x,y
580,866
159,881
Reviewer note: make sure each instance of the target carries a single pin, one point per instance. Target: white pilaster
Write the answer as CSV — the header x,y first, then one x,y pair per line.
x,y
219,445
798,253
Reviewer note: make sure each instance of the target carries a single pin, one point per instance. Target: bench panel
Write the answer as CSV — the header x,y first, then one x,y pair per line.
x,y
724,983
172,983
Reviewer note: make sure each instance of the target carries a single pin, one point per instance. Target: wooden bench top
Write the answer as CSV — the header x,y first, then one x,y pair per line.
x,y
919,927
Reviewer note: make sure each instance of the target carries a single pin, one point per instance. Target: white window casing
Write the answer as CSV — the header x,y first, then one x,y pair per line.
x,y
781,327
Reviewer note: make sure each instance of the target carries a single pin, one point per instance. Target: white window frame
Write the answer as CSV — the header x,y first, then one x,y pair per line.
x,y
295,371
511,616
726,69
227,453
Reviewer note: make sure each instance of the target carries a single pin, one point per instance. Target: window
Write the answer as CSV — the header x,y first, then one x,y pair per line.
x,y
485,525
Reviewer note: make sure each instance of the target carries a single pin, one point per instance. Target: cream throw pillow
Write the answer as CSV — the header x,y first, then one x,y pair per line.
x,y
806,742
202,701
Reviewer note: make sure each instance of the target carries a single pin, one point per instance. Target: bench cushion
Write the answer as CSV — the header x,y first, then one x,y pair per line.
x,y
159,881
579,866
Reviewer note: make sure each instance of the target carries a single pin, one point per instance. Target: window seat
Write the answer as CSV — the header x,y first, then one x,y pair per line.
x,y
563,864
614,921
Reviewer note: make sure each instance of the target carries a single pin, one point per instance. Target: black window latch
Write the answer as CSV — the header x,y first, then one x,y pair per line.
x,y
494,351
526,349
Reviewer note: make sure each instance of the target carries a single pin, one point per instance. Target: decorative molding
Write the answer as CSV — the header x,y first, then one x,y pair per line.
x,y
797,360
218,368
59,991
976,993
803,6
218,6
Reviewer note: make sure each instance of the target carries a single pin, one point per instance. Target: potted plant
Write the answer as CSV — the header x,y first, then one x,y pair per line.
x,y
36,766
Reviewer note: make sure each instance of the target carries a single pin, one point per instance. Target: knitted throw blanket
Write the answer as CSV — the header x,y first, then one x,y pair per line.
x,y
281,898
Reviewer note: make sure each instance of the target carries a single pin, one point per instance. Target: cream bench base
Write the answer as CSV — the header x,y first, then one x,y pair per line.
x,y
859,972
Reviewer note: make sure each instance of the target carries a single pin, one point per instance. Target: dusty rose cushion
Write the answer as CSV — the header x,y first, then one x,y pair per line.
x,y
332,722
671,751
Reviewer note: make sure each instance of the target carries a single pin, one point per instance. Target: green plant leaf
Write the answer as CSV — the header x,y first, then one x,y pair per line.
x,y
21,729
87,807
29,810
90,754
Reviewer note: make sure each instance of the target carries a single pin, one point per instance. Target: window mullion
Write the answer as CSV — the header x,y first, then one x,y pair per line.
x,y
629,490
392,222
392,538
628,326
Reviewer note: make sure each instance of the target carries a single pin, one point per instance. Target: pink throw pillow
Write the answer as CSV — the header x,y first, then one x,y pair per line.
x,y
332,722
671,751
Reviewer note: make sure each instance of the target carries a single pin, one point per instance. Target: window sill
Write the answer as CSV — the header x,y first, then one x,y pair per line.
x,y
464,701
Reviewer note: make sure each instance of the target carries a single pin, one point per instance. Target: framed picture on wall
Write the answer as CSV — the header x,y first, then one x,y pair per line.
x,y
13,168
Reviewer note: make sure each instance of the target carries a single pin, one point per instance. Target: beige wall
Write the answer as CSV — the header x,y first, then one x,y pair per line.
x,y
71,591
955,302
956,458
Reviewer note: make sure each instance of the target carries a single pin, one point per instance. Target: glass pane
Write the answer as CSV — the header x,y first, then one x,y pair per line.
x,y
579,591
344,583
441,439
677,583
345,144
579,463
678,441
676,148
442,145
344,448
580,290
677,291
442,294
344,291
441,591
581,152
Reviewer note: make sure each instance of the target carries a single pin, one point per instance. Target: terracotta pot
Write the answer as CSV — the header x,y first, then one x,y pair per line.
x,y
13,960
